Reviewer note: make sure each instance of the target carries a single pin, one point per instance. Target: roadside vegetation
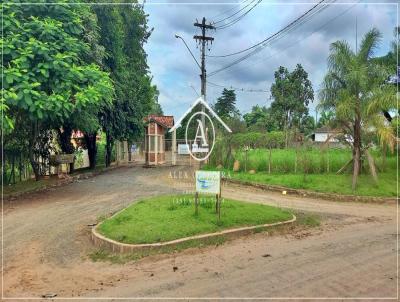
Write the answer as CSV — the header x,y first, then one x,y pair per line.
x,y
359,113
310,168
304,221
329,183
65,71
167,218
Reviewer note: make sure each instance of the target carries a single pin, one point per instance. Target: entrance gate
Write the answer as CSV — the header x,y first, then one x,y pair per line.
x,y
138,153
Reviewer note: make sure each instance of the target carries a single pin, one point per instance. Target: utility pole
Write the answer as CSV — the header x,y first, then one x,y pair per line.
x,y
203,41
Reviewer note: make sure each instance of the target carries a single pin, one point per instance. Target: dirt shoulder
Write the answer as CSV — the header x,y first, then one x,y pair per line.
x,y
46,247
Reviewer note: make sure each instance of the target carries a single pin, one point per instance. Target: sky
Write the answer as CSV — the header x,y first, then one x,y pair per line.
x,y
176,74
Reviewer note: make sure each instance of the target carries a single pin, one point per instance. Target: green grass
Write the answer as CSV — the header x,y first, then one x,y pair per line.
x,y
331,183
311,160
304,221
313,169
167,218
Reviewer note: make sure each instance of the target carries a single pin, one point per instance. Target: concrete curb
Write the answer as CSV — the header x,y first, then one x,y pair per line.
x,y
119,247
313,194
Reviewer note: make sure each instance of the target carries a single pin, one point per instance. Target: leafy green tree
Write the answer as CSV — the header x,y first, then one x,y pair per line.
x,y
353,83
257,115
291,93
236,124
326,119
87,121
388,106
260,119
47,79
225,106
391,58
307,125
124,31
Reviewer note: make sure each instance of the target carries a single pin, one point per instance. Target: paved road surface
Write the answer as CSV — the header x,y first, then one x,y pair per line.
x,y
46,243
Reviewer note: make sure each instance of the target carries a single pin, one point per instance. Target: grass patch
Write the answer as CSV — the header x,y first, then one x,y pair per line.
x,y
304,221
310,160
331,183
167,218
314,169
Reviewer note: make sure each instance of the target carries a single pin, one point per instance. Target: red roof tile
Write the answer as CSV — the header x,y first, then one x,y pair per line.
x,y
166,121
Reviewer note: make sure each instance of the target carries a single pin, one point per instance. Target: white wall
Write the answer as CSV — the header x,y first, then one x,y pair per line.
x,y
322,137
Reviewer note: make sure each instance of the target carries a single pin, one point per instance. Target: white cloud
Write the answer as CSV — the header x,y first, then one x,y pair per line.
x,y
173,68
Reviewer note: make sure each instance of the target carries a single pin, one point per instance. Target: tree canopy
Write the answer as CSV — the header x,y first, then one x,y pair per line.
x,y
260,118
225,106
354,88
124,31
74,67
291,93
48,74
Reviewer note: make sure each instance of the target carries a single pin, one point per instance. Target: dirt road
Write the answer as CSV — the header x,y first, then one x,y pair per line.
x,y
46,243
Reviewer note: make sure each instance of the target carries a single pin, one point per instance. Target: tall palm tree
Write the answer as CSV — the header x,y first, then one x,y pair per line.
x,y
352,83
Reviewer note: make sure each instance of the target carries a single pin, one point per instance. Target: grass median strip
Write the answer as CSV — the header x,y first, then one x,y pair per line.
x,y
167,218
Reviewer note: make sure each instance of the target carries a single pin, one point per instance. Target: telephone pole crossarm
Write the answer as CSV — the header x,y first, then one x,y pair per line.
x,y
203,39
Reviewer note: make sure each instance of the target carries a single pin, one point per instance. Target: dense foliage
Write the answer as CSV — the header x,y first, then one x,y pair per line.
x,y
69,67
291,92
354,88
123,31
48,78
260,119
225,106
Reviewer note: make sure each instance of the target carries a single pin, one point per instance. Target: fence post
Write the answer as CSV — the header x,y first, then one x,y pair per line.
x,y
327,160
196,203
245,158
269,161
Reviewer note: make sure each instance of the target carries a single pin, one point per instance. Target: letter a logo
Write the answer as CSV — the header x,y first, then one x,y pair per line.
x,y
202,135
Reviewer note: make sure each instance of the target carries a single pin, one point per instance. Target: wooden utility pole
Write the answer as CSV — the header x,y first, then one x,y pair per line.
x,y
203,41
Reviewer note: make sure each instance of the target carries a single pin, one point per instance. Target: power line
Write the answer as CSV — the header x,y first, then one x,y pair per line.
x,y
270,37
232,22
237,89
306,37
228,10
235,13
258,49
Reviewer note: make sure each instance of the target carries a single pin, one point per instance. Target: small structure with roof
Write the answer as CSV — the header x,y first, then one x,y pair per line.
x,y
156,127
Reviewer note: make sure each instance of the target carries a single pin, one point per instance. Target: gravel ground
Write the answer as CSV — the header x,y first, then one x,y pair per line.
x,y
46,243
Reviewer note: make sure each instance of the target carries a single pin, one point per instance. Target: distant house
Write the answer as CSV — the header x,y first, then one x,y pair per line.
x,y
325,134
